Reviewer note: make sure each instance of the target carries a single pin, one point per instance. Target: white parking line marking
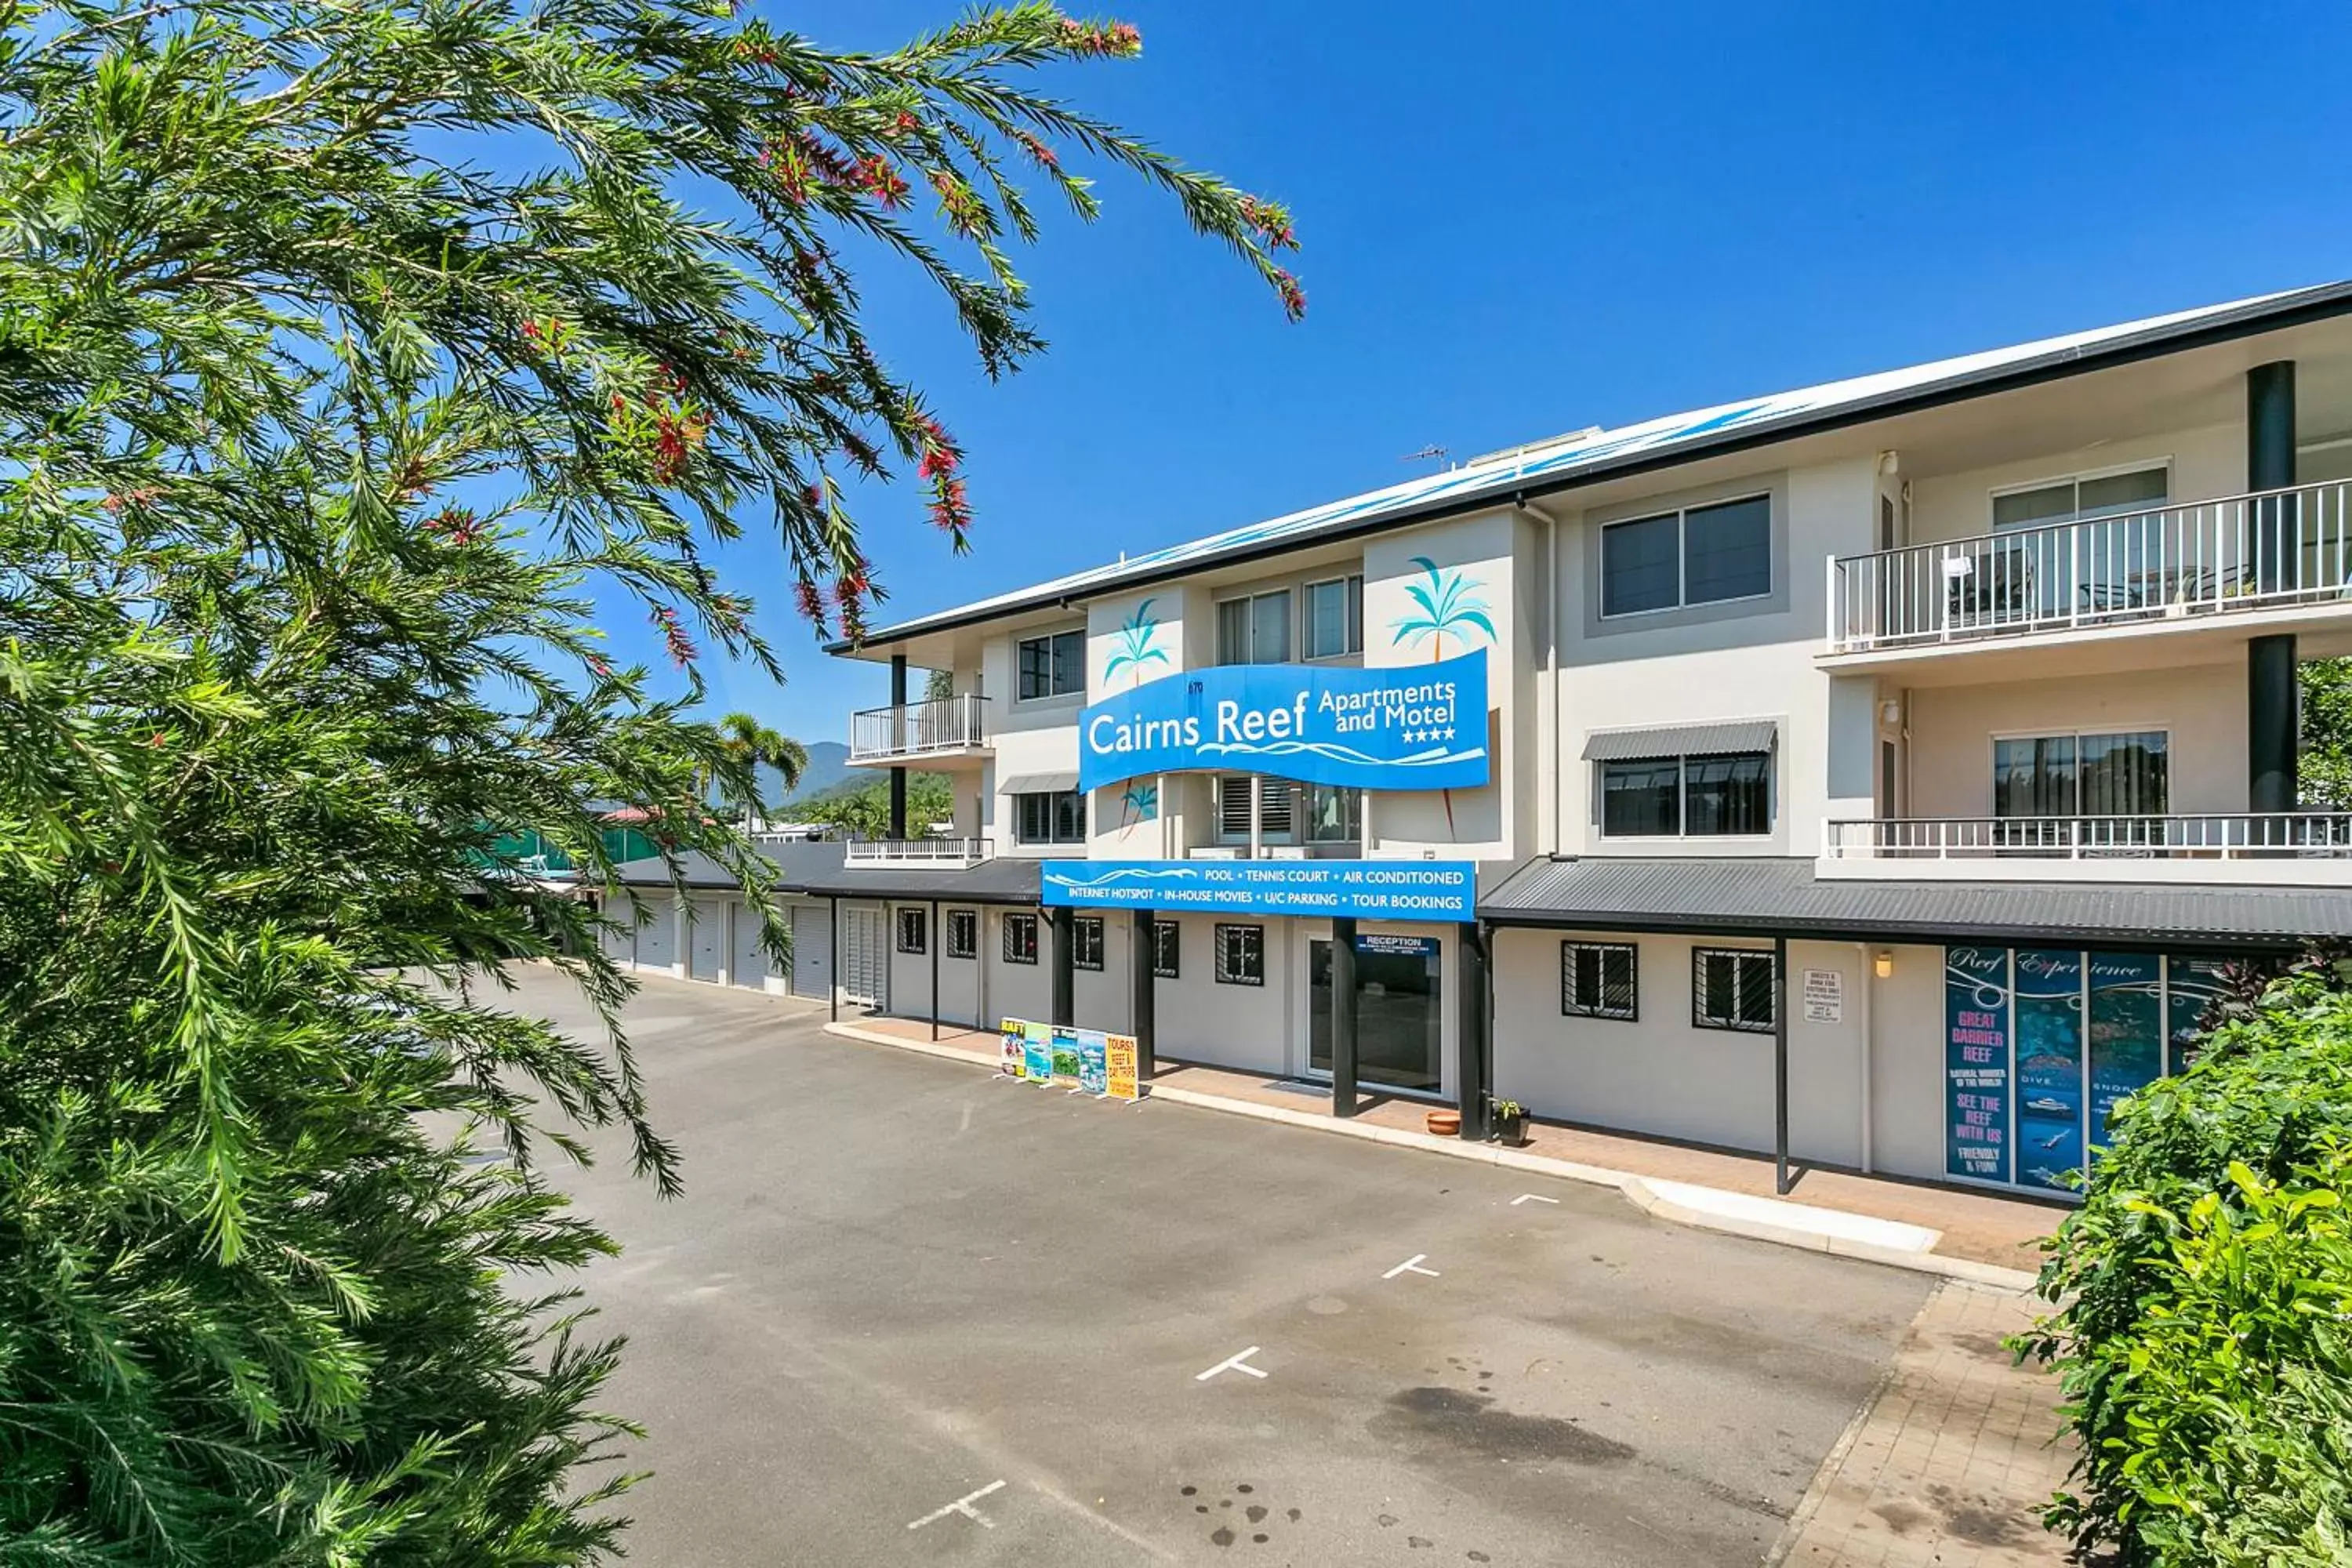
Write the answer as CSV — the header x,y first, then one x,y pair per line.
x,y
1532,1198
1231,1364
1411,1265
961,1505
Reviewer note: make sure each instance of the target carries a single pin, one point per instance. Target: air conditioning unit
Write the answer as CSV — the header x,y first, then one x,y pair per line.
x,y
1217,852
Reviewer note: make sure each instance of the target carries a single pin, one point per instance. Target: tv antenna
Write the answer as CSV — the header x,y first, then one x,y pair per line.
x,y
1432,452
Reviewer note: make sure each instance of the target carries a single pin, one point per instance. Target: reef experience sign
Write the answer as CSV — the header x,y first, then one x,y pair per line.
x,y
1413,727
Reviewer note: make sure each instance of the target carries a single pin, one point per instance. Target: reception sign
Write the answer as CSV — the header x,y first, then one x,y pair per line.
x,y
1410,727
1975,1062
1369,889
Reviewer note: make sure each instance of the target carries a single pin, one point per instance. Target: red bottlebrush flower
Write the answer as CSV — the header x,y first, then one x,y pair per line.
x,y
881,180
1037,150
531,330
951,507
1294,298
156,738
598,666
905,123
814,498
811,603
860,451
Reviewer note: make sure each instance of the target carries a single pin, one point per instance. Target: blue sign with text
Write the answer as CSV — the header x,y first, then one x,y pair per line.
x,y
1369,889
1413,727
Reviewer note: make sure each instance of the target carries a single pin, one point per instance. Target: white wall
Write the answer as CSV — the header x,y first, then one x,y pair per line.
x,y
2207,461
1016,990
1245,1027
1908,1096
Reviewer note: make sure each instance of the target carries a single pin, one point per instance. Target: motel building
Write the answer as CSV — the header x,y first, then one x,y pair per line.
x,y
1875,775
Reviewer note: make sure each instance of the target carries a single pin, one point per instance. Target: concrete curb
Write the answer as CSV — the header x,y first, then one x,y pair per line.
x,y
1637,1191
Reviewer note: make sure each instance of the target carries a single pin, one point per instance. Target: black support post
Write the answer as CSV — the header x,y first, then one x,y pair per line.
x,y
1474,1069
1144,992
932,937
1780,1182
2272,783
898,744
1065,1004
1343,1016
2270,466
832,960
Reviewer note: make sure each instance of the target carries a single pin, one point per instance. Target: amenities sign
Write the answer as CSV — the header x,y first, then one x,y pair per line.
x,y
1413,727
1370,890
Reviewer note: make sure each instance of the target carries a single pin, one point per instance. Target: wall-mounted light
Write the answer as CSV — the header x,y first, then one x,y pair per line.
x,y
1881,964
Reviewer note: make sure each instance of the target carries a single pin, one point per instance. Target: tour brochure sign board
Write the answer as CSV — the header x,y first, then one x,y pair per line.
x,y
1408,727
1411,890
1100,1064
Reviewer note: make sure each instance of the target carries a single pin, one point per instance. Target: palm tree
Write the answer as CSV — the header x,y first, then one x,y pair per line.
x,y
753,744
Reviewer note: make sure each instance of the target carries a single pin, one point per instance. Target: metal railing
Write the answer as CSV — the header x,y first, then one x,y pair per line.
x,y
936,852
2320,835
913,729
2242,554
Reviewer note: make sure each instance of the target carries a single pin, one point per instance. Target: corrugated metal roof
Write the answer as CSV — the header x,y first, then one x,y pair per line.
x,y
1767,895
820,871
1682,741
1543,467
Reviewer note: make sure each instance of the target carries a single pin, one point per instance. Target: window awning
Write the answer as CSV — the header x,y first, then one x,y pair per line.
x,y
1682,741
1037,784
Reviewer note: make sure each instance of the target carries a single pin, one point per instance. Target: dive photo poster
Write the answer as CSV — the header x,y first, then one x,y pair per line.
x,y
2049,1034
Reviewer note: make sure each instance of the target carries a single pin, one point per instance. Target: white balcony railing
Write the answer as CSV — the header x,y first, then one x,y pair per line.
x,y
918,729
2292,834
2243,553
936,854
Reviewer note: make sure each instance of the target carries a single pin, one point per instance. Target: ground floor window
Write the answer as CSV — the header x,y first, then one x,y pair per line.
x,y
1596,979
1020,939
1087,941
1732,988
1241,955
963,933
1165,948
910,931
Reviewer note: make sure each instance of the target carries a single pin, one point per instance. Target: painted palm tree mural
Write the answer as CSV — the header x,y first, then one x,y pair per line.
x,y
1134,648
1447,601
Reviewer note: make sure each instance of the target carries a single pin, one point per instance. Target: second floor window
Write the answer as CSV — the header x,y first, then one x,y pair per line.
x,y
1277,820
1058,816
1087,941
1335,617
1256,629
2082,775
1700,555
1334,814
1726,795
1053,664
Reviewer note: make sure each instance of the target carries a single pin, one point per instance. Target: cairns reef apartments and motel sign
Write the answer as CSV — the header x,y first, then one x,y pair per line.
x,y
1413,727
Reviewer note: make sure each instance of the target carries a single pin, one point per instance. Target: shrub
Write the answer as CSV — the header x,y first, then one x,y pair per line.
x,y
2204,1292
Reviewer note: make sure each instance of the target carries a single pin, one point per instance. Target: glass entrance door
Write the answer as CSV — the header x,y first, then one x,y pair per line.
x,y
1398,1002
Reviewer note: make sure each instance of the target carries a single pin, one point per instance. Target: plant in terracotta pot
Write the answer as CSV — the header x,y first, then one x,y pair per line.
x,y
1506,1122
1445,1123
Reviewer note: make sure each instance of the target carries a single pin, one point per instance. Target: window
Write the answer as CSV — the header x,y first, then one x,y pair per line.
x,y
2115,775
1053,664
963,933
1241,955
1020,939
1335,617
1276,813
1165,946
1334,814
1596,979
910,930
1255,629
1055,817
2053,573
1700,555
1731,988
1723,795
2074,499
1086,943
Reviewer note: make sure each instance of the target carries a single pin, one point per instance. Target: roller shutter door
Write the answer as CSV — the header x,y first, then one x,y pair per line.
x,y
812,951
749,965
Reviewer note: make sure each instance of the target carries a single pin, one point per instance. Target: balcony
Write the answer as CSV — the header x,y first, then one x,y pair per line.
x,y
2286,848
934,732
2281,556
902,853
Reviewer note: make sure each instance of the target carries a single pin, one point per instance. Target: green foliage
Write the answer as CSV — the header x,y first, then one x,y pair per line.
x,y
754,746
2327,762
351,355
862,808
2204,1293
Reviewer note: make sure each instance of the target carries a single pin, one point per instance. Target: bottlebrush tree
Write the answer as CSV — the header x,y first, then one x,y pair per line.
x,y
349,355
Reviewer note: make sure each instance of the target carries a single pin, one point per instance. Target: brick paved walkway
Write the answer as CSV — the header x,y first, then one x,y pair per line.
x,y
1951,1465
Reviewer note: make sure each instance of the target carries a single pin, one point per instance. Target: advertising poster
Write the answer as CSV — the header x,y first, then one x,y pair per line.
x,y
1011,1047
1094,1068
1065,1054
2048,1033
1037,1053
1121,1069
1975,1062
2126,1032
2194,982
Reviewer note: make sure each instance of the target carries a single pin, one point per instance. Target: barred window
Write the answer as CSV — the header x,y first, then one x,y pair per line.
x,y
910,931
1732,988
1165,947
1597,980
1086,943
963,933
1241,955
1020,939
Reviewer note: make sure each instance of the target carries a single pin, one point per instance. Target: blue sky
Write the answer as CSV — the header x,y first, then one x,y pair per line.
x,y
1524,218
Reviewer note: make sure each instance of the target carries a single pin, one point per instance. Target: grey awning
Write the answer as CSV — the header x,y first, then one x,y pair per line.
x,y
1684,741
1037,784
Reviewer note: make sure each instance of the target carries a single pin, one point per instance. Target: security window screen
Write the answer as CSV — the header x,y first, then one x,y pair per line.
x,y
1020,939
963,933
1596,980
1241,955
1165,947
1731,988
910,931
1086,943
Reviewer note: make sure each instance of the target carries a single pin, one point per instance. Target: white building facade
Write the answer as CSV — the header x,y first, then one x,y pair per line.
x,y
1875,775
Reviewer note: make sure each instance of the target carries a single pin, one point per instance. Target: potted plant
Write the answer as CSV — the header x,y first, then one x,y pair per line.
x,y
1443,1123
1507,1121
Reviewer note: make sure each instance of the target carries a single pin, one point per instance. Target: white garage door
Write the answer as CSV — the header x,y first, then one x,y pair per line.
x,y
620,946
812,951
706,939
750,964
657,938
865,958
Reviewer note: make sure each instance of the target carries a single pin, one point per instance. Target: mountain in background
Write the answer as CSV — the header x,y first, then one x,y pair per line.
x,y
828,766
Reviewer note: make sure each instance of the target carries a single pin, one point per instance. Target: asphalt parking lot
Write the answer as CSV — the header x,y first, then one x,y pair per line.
x,y
909,1313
